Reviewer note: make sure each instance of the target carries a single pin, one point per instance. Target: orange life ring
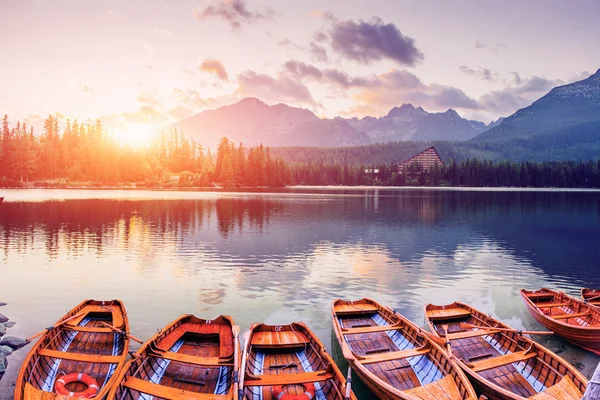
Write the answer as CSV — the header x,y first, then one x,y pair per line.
x,y
309,393
90,392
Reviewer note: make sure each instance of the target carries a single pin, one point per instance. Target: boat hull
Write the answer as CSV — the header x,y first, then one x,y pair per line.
x,y
79,342
587,337
189,357
390,375
550,369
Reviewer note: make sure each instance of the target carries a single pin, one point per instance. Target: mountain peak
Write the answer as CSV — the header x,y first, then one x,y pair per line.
x,y
452,113
251,101
402,110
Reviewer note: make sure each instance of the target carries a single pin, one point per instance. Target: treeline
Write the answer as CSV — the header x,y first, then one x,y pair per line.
x,y
88,153
475,173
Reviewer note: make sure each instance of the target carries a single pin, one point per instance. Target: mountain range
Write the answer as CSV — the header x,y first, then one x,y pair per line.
x,y
253,122
563,124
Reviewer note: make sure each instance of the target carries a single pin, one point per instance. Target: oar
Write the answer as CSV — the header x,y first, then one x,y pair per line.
x,y
64,321
349,384
434,338
114,328
593,298
448,345
469,326
236,361
243,367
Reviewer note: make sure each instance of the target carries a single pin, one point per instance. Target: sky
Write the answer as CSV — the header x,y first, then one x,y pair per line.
x,y
146,63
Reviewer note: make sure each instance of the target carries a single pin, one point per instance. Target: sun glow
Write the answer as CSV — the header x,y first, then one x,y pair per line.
x,y
137,135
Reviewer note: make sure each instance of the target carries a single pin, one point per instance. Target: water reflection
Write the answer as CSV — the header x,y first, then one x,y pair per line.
x,y
284,256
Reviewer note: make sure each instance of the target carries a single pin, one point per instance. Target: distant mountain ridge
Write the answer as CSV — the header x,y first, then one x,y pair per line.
x,y
568,106
409,123
253,122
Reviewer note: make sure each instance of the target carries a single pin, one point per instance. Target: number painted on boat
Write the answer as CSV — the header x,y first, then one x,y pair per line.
x,y
278,328
208,321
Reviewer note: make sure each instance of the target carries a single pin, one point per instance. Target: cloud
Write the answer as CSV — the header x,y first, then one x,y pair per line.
x,y
162,31
190,98
481,73
235,12
331,76
214,66
149,48
180,112
495,48
287,42
365,42
318,52
396,87
88,90
518,93
280,88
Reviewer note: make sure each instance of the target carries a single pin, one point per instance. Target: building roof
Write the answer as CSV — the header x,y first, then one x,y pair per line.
x,y
425,159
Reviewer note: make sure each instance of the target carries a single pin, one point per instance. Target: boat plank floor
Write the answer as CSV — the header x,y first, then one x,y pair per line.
x,y
282,363
397,373
505,376
193,378
87,343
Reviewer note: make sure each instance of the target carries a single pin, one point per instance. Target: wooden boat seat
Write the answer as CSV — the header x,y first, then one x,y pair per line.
x,y
287,379
223,330
447,313
91,358
540,295
279,339
113,309
496,362
553,305
470,334
91,329
194,360
345,309
396,355
371,329
565,389
166,392
444,388
566,316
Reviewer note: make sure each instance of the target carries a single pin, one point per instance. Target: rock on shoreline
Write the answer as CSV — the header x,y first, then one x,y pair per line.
x,y
8,344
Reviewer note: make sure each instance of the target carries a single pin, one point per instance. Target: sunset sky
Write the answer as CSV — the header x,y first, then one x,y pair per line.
x,y
156,61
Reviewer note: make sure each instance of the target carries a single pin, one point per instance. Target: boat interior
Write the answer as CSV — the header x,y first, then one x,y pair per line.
x,y
288,356
395,351
506,359
190,357
84,345
562,308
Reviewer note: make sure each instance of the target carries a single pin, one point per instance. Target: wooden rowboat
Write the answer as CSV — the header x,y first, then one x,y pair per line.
x,y
574,320
191,358
502,363
79,343
287,362
591,296
393,357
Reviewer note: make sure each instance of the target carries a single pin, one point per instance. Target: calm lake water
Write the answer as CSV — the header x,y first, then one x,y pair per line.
x,y
282,257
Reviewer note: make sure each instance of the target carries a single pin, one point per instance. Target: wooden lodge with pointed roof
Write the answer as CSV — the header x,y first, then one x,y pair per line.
x,y
424,161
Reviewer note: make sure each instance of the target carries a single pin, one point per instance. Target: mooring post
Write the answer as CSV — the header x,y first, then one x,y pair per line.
x,y
593,389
